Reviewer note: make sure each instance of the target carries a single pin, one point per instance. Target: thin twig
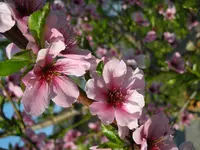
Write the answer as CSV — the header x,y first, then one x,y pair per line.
x,y
12,103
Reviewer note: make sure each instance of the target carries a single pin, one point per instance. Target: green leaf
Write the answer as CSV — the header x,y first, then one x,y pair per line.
x,y
99,68
191,4
36,24
18,61
112,134
23,56
4,43
112,145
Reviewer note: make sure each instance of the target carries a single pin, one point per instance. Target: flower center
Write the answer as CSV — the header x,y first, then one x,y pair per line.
x,y
116,97
27,7
154,144
49,73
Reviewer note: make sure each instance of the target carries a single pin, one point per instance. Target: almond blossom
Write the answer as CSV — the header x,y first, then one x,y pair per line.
x,y
177,63
134,60
139,19
151,36
117,94
48,80
17,11
155,134
11,50
170,13
169,37
6,20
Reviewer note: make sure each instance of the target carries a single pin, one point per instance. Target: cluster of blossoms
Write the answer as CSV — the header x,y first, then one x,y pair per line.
x,y
117,92
70,140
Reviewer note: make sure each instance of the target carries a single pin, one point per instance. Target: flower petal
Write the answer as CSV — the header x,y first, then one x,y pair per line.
x,y
72,66
65,92
11,50
6,20
135,97
36,99
124,118
123,131
157,126
114,72
95,89
134,80
138,135
103,111
29,79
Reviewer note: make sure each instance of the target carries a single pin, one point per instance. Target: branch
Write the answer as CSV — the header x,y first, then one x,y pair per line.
x,y
15,36
65,115
13,104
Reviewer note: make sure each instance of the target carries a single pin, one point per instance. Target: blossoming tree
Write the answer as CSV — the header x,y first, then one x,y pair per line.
x,y
123,74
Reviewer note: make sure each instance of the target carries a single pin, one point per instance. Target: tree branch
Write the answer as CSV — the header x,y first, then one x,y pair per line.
x,y
15,36
65,115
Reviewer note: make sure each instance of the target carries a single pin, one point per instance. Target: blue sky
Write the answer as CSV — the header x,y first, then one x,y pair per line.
x,y
4,142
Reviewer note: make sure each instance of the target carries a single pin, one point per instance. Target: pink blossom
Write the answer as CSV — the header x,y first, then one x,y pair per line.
x,y
22,8
186,146
155,134
11,50
72,135
112,53
50,145
70,146
27,119
101,52
58,27
170,13
134,60
151,36
140,20
48,81
155,88
144,117
177,63
37,139
133,2
87,27
94,126
117,94
13,86
17,10
169,37
185,120
192,22
7,22
58,5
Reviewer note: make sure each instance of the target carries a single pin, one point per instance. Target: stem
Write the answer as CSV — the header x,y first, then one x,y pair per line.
x,y
15,36
13,104
187,102
83,99
53,120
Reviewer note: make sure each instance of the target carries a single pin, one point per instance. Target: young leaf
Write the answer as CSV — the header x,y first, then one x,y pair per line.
x,y
112,145
18,61
112,135
99,68
36,24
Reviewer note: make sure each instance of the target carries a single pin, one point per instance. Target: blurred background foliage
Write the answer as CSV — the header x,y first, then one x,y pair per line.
x,y
113,25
